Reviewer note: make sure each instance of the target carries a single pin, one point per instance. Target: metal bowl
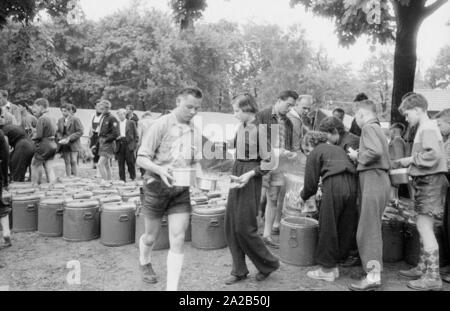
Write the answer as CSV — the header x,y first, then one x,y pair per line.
x,y
207,184
184,177
399,176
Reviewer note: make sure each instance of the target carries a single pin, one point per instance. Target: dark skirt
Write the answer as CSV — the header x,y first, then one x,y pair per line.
x,y
45,150
241,226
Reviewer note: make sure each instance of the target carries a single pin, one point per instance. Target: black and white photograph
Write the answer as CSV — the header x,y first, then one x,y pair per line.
x,y
245,147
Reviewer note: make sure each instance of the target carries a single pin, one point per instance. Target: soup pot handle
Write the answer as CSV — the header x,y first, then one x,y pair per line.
x,y
293,242
31,208
124,218
214,222
88,216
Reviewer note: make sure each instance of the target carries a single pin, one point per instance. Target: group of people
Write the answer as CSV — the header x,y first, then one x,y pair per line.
x,y
119,138
30,138
350,166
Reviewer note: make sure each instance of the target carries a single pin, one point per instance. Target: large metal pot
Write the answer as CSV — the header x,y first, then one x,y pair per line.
x,y
183,177
399,176
207,183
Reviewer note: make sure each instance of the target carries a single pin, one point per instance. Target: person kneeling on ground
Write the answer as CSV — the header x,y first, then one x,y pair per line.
x,y
338,214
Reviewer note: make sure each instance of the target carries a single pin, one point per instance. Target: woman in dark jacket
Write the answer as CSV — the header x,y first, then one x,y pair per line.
x,y
68,137
243,200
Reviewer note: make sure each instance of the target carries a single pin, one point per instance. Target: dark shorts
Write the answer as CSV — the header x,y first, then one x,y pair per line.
x,y
159,199
45,150
106,149
430,193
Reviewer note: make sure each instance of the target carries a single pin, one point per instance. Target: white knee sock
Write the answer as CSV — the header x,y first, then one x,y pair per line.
x,y
5,226
374,277
174,265
145,252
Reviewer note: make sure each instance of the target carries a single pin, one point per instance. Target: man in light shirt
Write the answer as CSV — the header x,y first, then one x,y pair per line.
x,y
172,143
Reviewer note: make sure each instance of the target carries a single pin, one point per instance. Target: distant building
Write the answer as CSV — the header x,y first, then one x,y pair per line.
x,y
438,99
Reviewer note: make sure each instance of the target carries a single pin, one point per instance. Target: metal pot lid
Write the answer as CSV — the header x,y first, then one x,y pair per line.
x,y
300,222
24,191
109,199
29,197
20,185
104,191
118,183
135,193
209,209
52,201
82,204
127,188
123,206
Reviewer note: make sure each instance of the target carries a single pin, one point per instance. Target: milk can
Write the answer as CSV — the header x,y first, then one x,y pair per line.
x,y
25,213
117,224
208,227
81,221
298,240
50,217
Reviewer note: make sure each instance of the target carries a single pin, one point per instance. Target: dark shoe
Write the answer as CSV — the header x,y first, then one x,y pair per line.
x,y
446,278
276,231
234,279
148,275
269,242
364,286
412,274
261,276
351,261
7,243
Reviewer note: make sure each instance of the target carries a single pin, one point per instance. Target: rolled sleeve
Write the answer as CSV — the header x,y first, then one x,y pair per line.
x,y
151,141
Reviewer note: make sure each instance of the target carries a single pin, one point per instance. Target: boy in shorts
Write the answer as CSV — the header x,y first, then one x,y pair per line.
x,y
428,168
158,155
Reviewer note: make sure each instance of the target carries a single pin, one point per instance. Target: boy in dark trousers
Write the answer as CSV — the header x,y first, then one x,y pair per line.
x,y
338,214
428,167
373,166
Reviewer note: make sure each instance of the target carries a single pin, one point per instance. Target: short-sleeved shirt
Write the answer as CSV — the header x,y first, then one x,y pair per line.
x,y
170,143
45,127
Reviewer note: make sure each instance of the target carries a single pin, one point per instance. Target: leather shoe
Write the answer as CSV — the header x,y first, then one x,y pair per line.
x,y
148,275
351,261
446,278
364,286
6,244
234,279
261,276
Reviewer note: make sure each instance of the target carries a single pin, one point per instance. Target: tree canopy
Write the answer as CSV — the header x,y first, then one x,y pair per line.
x,y
438,76
382,21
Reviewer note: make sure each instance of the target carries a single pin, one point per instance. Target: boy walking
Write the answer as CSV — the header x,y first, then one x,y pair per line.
x,y
428,166
373,165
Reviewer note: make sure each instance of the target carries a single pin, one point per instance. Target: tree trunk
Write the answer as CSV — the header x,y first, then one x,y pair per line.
x,y
409,19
